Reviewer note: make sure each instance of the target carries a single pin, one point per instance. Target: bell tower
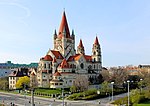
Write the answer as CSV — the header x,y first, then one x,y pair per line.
x,y
63,41
96,51
80,48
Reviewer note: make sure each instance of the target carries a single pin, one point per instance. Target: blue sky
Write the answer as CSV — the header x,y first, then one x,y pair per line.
x,y
122,26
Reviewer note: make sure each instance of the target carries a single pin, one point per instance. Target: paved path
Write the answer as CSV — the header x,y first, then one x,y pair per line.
x,y
21,100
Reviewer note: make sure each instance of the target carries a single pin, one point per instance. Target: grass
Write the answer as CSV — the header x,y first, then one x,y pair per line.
x,y
143,104
48,91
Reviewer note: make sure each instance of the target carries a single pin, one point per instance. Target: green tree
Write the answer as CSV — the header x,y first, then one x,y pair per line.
x,y
105,87
23,82
73,89
135,96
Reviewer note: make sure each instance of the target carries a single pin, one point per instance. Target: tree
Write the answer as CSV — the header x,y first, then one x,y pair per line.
x,y
135,96
118,75
105,87
73,89
105,75
4,83
81,83
33,81
23,82
145,76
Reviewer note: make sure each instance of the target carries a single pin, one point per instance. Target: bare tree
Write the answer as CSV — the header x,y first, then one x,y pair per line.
x,y
81,83
106,75
118,75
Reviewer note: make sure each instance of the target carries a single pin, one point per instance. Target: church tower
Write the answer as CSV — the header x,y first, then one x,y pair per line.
x,y
80,48
63,41
96,51
96,56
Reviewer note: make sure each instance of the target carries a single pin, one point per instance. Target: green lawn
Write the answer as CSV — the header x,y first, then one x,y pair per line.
x,y
48,91
143,104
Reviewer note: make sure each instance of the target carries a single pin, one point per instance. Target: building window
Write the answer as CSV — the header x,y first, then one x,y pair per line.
x,y
49,66
94,53
82,65
44,65
94,59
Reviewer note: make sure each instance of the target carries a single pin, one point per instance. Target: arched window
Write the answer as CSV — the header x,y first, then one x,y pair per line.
x,y
82,65
71,66
44,65
94,59
94,53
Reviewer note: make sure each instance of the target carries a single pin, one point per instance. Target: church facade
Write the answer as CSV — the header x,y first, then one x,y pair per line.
x,y
60,67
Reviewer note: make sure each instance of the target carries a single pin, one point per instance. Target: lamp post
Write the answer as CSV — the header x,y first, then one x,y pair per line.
x,y
128,93
141,84
63,96
112,91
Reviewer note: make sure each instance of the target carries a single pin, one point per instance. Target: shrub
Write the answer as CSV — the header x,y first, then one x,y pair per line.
x,y
90,92
75,96
91,97
121,101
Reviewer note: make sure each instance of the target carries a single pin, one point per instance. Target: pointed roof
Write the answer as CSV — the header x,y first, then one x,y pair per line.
x,y
64,27
57,54
81,44
54,60
64,64
48,58
76,57
57,74
96,41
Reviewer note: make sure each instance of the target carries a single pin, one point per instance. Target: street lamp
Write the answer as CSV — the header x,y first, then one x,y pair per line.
x,y
112,91
128,92
141,84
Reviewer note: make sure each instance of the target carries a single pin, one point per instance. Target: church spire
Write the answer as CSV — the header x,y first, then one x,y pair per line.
x,y
80,48
96,41
64,29
81,44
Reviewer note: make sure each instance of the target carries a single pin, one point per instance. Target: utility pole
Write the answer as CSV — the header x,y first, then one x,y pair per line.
x,y
128,93
112,91
32,97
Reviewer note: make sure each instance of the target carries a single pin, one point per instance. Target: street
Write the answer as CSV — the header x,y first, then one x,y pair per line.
x,y
22,100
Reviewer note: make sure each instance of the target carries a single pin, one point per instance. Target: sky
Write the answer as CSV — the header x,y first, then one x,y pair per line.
x,y
122,27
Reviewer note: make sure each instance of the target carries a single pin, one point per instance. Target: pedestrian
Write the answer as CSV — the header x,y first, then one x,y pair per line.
x,y
99,102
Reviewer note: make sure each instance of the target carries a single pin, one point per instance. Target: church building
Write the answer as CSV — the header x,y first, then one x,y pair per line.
x,y
60,66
